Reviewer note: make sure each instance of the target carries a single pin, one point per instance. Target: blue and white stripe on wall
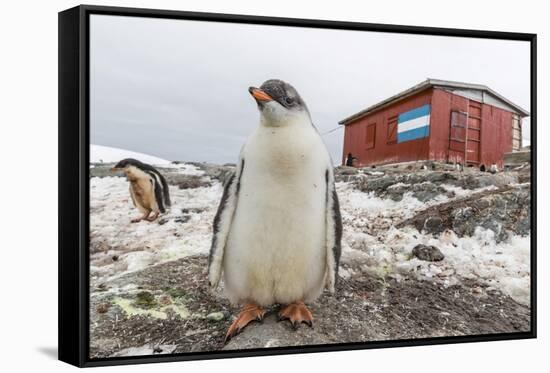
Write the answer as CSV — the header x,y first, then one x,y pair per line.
x,y
413,124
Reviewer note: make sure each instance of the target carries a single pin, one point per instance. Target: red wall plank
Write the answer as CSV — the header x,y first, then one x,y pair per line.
x,y
496,135
443,103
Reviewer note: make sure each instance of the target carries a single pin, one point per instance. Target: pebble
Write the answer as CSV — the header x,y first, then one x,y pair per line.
x,y
428,253
103,307
215,316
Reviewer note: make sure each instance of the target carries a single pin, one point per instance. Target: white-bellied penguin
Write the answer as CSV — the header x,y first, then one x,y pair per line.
x,y
278,227
148,188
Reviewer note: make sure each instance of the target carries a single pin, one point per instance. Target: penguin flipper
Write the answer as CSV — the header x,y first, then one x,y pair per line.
x,y
333,232
158,190
222,225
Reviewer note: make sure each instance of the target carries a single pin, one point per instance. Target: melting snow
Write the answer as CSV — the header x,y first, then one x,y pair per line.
x,y
387,250
370,242
138,245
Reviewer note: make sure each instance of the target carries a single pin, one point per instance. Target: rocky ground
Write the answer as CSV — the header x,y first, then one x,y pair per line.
x,y
428,251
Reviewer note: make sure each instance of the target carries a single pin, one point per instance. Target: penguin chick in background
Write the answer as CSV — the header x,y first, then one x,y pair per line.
x,y
278,227
148,188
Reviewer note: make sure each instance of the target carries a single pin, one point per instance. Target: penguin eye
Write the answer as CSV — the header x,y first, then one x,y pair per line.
x,y
289,100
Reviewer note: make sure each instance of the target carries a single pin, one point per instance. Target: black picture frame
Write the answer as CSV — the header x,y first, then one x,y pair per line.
x,y
73,164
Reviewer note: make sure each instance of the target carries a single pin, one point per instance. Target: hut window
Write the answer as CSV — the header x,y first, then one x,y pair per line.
x,y
371,134
392,130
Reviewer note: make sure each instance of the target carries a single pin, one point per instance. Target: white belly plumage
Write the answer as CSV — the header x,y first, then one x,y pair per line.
x,y
276,251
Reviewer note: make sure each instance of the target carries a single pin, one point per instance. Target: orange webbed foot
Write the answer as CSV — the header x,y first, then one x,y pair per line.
x,y
296,313
250,312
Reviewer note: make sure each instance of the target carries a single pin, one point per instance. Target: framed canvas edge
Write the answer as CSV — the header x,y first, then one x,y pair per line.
x,y
71,153
73,128
533,144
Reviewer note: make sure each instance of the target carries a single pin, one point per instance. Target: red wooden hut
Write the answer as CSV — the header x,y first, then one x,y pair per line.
x,y
435,120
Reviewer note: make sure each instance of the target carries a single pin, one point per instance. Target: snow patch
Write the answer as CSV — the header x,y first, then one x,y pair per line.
x,y
107,154
371,243
504,266
139,245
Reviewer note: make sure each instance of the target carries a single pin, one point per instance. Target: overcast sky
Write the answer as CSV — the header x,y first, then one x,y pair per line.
x,y
178,89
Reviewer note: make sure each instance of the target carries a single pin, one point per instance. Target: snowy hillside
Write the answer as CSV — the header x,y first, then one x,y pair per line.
x,y
106,154
146,278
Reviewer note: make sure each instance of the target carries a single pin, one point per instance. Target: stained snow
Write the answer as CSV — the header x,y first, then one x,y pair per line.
x,y
370,240
186,228
504,266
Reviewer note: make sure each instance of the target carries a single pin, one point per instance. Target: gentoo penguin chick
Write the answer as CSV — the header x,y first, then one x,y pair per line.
x,y
148,188
278,227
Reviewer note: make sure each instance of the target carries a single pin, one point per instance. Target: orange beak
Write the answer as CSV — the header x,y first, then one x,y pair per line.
x,y
259,95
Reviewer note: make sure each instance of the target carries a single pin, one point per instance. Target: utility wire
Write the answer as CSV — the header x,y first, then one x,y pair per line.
x,y
332,130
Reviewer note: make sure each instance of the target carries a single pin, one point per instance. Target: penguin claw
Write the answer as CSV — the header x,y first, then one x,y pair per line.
x,y
249,313
296,313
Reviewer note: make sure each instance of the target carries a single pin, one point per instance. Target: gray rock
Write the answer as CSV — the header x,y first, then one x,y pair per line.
x,y
394,186
214,171
463,221
427,184
104,170
345,170
182,219
428,253
345,173
187,181
273,333
427,191
502,211
396,192
434,224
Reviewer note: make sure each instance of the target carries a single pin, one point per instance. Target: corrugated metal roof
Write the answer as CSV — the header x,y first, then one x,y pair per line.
x,y
434,83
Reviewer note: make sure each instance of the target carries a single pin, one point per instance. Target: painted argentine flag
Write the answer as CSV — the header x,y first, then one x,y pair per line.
x,y
413,124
